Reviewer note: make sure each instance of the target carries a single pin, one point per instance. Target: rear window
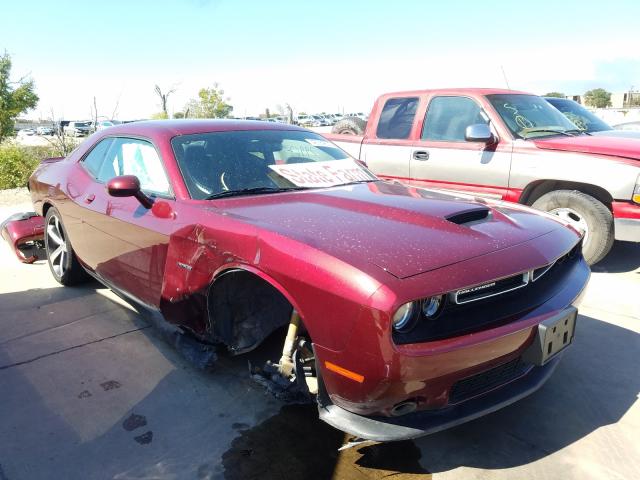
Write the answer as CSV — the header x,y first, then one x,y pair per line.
x,y
397,117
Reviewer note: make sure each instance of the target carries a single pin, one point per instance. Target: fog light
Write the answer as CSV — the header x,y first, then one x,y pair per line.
x,y
403,318
431,306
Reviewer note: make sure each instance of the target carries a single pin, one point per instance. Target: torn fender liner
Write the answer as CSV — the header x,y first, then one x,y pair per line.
x,y
25,234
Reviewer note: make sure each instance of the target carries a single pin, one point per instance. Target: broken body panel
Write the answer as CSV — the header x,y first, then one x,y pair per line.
x,y
25,234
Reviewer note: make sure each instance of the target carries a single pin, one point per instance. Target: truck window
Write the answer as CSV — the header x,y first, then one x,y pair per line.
x,y
448,117
397,117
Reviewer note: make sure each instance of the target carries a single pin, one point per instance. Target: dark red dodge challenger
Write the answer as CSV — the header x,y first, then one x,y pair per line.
x,y
403,311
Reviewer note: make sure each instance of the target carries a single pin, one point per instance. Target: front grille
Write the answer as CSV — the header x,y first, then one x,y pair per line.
x,y
497,302
487,380
491,289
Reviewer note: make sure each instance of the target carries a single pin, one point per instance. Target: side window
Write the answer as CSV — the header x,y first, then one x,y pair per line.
x,y
448,117
130,156
397,117
93,161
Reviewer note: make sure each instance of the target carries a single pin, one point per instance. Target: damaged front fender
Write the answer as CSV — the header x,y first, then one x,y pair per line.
x,y
25,234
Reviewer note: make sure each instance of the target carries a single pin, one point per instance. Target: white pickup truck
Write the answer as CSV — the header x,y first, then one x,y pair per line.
x,y
504,145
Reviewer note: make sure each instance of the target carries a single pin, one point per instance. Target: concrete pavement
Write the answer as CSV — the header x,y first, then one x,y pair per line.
x,y
90,390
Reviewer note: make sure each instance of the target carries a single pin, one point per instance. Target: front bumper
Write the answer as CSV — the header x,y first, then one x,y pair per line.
x,y
425,422
627,229
626,221
25,233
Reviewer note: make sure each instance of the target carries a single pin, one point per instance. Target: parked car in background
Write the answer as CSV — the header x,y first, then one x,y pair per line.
x,y
628,126
587,121
507,145
322,121
45,130
26,132
357,115
308,121
77,129
407,311
106,124
333,118
279,119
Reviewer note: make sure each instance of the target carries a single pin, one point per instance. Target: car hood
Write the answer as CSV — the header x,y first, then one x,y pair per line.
x,y
601,145
618,133
402,230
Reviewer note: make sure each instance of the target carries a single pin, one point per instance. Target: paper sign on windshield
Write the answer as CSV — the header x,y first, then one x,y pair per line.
x,y
323,174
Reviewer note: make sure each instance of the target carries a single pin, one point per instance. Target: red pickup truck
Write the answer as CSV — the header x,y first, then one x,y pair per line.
x,y
505,145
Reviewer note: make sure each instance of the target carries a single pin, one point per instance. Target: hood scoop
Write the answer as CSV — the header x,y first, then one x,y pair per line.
x,y
469,216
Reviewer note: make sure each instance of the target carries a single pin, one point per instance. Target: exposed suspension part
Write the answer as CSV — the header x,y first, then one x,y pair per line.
x,y
293,378
285,366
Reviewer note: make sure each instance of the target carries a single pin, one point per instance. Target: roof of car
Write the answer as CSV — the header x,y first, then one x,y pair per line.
x,y
458,91
188,127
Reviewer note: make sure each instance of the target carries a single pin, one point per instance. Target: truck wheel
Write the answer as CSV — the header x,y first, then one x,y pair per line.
x,y
62,261
350,126
585,213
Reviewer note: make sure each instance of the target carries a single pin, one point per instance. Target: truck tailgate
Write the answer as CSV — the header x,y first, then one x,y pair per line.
x,y
349,143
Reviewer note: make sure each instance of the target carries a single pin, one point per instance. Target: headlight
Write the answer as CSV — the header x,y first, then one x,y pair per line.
x,y
636,192
403,318
431,306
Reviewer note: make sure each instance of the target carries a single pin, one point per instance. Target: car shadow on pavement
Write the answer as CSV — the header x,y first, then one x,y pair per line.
x,y
132,407
623,257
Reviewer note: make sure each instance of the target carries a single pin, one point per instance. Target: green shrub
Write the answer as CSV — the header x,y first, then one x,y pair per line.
x,y
18,162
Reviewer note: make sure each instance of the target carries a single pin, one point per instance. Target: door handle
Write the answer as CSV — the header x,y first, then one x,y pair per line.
x,y
90,198
421,155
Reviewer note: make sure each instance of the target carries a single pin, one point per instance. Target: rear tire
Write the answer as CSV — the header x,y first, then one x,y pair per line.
x,y
586,213
350,126
62,261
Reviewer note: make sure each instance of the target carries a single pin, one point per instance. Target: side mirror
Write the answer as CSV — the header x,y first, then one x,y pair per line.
x,y
480,132
128,186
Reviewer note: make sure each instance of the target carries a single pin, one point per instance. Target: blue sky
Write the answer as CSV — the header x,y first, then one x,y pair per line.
x,y
317,56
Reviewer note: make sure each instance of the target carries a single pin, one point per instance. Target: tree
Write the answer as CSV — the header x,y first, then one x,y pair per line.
x,y
160,116
598,97
210,103
15,97
163,98
178,115
555,94
61,144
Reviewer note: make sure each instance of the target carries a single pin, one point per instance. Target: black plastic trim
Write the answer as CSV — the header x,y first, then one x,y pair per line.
x,y
418,424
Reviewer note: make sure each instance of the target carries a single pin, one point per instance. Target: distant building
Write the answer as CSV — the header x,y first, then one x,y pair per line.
x,y
618,100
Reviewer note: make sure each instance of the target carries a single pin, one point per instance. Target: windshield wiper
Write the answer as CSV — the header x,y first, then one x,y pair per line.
x,y
250,191
579,132
526,131
359,181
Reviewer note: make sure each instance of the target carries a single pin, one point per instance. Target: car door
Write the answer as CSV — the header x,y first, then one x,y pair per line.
x,y
126,243
442,158
388,152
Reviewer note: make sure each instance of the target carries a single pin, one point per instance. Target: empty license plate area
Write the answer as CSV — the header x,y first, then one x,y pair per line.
x,y
554,335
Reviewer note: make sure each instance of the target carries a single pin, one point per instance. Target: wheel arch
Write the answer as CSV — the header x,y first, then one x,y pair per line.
x,y
537,189
46,205
241,321
239,268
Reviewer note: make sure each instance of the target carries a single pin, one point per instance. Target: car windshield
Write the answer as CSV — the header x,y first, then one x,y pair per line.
x,y
580,116
222,164
530,116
